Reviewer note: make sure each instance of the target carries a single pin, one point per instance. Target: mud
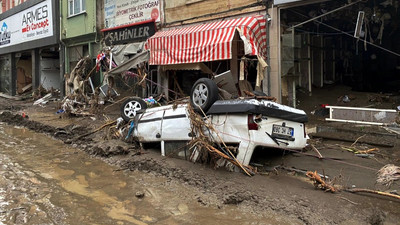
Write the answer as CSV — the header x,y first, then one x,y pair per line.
x,y
282,193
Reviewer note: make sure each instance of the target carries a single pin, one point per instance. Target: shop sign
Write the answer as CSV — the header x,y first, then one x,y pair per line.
x,y
129,34
277,2
123,12
28,25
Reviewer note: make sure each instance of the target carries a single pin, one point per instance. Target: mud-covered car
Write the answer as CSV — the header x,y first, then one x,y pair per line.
x,y
246,123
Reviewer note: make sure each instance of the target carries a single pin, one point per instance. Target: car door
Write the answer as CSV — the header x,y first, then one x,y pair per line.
x,y
148,127
176,124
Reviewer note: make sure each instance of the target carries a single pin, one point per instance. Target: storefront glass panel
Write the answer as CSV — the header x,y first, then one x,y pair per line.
x,y
5,74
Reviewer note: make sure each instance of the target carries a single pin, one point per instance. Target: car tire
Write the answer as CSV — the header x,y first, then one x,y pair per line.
x,y
131,107
203,94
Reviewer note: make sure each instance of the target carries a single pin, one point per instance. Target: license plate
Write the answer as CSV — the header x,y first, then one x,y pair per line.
x,y
282,132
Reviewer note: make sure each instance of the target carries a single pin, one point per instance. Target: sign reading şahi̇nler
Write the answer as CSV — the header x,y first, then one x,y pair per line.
x,y
28,25
123,12
129,34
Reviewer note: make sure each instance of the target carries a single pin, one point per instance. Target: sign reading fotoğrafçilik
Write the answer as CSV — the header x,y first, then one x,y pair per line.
x,y
122,12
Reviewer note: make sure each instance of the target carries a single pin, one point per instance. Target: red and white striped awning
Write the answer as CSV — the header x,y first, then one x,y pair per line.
x,y
208,42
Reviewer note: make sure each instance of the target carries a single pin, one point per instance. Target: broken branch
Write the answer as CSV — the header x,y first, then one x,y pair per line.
x,y
354,190
96,130
355,142
316,150
319,183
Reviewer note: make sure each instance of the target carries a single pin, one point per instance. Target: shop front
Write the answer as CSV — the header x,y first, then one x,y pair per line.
x,y
319,44
29,54
237,45
127,26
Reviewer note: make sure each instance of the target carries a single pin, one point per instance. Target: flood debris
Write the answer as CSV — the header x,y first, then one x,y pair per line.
x,y
16,98
43,100
358,151
319,183
388,174
43,96
298,171
382,193
316,150
96,130
204,146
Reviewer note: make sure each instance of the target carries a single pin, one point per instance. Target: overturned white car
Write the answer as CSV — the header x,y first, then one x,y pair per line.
x,y
246,123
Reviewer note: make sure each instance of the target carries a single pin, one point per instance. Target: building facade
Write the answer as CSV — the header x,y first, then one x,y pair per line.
x,y
323,43
29,47
234,29
81,22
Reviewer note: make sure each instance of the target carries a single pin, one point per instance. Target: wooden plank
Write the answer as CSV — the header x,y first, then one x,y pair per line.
x,y
10,97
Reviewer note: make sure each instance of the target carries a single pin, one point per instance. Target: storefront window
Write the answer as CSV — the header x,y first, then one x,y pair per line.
x,y
5,74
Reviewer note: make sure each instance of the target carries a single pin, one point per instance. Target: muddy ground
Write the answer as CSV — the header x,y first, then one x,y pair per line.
x,y
271,192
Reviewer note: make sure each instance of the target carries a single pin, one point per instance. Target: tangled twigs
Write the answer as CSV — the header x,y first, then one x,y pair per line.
x,y
319,183
357,140
358,151
202,141
388,174
218,152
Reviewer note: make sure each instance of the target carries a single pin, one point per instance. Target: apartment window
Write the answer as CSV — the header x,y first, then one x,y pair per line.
x,y
76,7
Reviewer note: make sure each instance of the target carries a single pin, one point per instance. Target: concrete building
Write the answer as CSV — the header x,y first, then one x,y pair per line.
x,y
81,22
321,43
9,4
29,46
217,37
127,26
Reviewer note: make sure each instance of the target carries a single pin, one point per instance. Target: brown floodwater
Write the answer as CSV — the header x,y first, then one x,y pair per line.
x,y
43,181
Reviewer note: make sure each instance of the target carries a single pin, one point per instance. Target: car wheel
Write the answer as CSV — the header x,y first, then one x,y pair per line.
x,y
131,107
203,94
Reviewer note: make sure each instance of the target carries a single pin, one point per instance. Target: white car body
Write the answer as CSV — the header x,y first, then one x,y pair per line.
x,y
231,120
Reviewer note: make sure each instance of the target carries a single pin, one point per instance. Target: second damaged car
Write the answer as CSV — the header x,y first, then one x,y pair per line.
x,y
244,123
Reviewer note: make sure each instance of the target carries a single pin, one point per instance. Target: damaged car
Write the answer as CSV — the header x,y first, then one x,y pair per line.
x,y
245,122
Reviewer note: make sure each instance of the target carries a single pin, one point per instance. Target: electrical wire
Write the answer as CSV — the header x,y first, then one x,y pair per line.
x,y
345,33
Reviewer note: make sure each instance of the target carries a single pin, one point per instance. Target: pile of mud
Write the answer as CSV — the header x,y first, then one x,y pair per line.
x,y
211,188
19,120
65,133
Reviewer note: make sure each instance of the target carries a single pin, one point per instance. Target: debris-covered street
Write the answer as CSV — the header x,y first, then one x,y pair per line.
x,y
44,181
200,112
279,193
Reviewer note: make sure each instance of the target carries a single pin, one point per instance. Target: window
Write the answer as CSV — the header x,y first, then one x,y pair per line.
x,y
76,7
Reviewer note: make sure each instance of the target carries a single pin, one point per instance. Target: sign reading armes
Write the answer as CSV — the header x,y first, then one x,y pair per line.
x,y
128,34
30,24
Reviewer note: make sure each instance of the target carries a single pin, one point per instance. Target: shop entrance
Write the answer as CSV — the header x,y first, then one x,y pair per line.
x,y
24,72
324,52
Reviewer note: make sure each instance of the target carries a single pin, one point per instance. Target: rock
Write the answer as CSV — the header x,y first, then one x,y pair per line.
x,y
139,194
